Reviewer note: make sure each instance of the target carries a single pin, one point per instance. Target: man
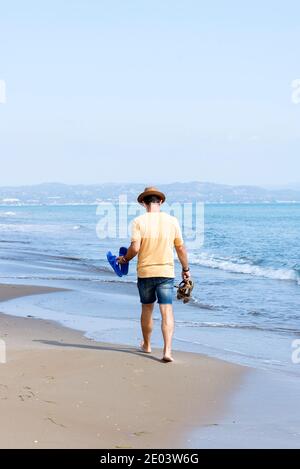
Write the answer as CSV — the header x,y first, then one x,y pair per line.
x,y
154,236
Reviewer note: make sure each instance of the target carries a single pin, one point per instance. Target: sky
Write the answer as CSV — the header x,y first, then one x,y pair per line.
x,y
152,91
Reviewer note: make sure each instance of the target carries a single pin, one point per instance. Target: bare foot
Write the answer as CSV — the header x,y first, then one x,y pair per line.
x,y
168,359
145,349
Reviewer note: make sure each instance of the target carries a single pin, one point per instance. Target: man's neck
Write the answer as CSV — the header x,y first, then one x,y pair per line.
x,y
153,208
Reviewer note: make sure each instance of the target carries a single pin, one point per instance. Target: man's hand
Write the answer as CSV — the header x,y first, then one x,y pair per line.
x,y
131,253
186,275
121,260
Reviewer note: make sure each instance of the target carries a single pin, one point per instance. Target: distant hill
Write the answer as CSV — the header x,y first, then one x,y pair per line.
x,y
292,186
57,193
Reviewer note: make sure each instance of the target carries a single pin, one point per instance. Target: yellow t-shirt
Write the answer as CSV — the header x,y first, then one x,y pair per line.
x,y
158,233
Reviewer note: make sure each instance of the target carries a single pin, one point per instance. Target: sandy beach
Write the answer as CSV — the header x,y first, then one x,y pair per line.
x,y
59,389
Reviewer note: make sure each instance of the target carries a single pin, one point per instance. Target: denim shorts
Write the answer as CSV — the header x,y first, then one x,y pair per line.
x,y
154,289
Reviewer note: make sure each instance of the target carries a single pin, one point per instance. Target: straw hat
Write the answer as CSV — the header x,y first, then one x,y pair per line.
x,y
151,191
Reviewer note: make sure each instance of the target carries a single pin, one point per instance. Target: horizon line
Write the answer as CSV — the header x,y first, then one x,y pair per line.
x,y
264,186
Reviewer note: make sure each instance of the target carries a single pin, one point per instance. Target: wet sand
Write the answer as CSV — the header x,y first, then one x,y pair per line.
x,y
59,389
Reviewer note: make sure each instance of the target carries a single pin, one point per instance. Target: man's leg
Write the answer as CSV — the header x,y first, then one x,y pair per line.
x,y
147,326
167,327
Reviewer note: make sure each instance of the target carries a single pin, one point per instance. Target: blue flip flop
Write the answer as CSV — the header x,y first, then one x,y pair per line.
x,y
113,262
124,267
119,269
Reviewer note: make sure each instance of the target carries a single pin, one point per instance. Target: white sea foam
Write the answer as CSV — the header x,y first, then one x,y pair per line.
x,y
34,228
239,267
7,214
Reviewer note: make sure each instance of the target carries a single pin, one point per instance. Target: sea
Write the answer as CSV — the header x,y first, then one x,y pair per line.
x,y
246,269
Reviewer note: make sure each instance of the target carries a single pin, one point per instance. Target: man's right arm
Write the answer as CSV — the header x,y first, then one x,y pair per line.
x,y
135,245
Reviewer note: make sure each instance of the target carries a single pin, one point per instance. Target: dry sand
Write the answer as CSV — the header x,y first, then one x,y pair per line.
x,y
59,389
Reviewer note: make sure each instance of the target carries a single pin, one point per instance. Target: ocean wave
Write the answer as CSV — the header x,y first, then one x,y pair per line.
x,y
37,228
198,304
7,214
87,264
48,277
254,327
123,281
68,278
11,241
240,267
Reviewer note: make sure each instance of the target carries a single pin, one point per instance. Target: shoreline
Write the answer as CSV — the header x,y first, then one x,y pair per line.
x,y
13,291
60,389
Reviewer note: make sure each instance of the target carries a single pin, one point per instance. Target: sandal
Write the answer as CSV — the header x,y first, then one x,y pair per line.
x,y
184,290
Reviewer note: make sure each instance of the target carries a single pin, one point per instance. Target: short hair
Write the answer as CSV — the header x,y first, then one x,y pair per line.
x,y
151,199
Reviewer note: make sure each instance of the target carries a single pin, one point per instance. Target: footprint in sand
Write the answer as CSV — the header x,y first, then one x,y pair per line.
x,y
51,419
49,379
49,402
26,394
141,433
3,392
